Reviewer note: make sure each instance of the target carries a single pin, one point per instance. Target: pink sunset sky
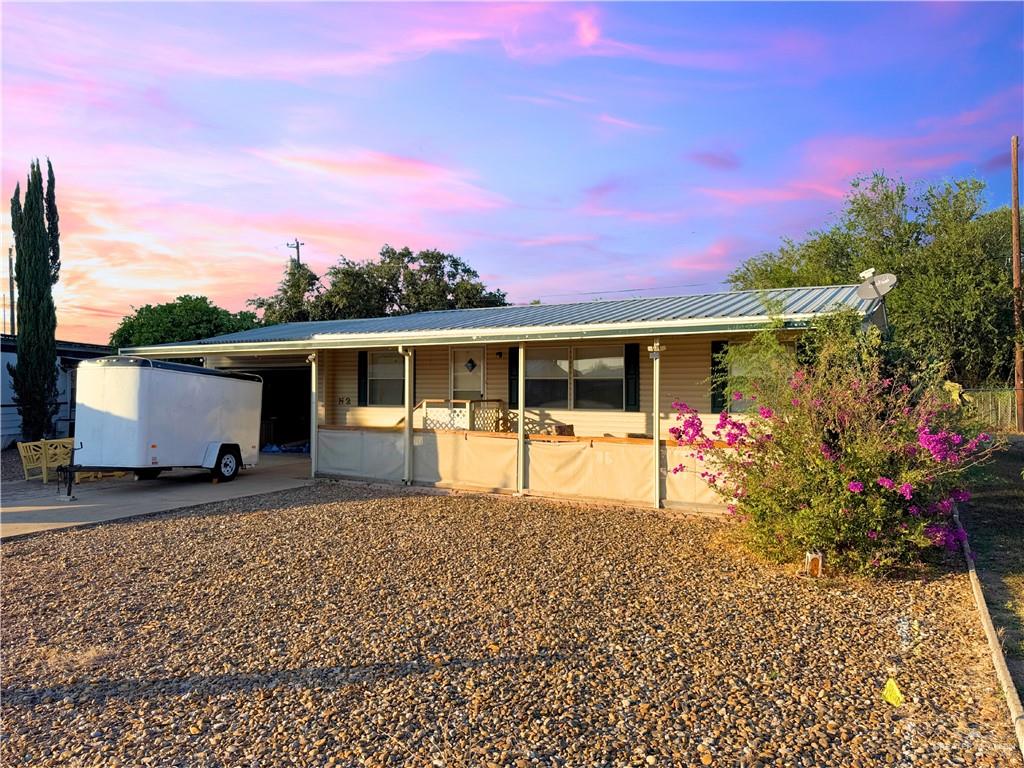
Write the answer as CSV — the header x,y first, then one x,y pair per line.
x,y
566,151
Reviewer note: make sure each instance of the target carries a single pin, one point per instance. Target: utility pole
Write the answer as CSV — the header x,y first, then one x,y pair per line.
x,y
296,245
1018,347
10,291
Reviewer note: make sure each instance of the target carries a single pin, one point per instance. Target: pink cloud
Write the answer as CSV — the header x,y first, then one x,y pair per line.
x,y
418,182
720,256
620,122
723,160
547,240
597,201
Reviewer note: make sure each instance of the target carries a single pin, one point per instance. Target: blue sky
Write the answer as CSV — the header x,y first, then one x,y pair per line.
x,y
566,151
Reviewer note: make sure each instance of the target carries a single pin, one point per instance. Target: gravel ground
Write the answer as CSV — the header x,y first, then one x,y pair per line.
x,y
10,466
347,625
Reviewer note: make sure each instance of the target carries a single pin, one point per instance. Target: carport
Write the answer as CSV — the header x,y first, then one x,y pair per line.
x,y
285,413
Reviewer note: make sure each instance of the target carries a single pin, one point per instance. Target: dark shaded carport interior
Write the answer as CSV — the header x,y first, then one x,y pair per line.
x,y
285,412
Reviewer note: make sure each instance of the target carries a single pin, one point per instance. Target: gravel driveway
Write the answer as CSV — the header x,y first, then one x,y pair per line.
x,y
346,625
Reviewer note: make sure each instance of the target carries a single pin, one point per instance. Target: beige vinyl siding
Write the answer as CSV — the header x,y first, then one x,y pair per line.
x,y
685,372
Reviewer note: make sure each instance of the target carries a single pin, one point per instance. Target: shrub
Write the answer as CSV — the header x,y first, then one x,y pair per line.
x,y
835,452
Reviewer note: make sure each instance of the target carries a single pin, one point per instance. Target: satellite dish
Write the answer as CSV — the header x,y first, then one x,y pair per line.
x,y
876,286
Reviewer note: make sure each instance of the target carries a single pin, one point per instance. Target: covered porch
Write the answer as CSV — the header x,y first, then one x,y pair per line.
x,y
579,418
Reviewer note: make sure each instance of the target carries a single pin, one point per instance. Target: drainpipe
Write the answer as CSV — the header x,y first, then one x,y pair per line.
x,y
521,422
655,350
407,355
314,412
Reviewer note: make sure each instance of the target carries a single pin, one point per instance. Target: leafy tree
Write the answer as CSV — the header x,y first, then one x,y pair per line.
x,y
370,289
52,223
397,282
185,319
35,376
295,298
953,301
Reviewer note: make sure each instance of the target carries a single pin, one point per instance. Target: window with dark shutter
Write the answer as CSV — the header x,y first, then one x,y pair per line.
x,y
513,377
718,375
361,371
631,361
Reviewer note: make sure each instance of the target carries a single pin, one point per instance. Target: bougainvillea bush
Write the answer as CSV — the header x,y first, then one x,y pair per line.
x,y
835,451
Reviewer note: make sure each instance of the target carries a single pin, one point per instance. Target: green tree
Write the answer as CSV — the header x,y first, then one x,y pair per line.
x,y
35,376
52,223
187,318
396,283
295,299
953,302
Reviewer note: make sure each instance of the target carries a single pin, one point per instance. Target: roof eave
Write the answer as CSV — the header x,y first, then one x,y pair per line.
x,y
477,336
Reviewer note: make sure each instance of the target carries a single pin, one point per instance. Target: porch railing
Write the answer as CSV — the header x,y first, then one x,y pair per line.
x,y
488,415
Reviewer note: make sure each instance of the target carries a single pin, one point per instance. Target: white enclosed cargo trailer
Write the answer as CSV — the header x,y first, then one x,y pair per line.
x,y
148,416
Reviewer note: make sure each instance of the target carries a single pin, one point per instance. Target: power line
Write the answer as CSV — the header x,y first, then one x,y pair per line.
x,y
629,290
296,245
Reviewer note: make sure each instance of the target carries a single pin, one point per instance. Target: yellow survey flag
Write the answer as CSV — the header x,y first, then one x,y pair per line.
x,y
891,693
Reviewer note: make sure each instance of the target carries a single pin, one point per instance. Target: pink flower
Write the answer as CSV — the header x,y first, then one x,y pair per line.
x,y
765,412
906,491
855,486
795,401
873,535
737,395
828,452
886,482
961,495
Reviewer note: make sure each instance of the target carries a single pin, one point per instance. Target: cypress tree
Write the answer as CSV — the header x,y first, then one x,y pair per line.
x,y
35,376
52,223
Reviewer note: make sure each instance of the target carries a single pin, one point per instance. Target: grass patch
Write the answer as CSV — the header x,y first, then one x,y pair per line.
x,y
995,521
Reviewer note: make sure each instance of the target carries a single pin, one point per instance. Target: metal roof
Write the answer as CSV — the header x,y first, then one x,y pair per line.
x,y
739,308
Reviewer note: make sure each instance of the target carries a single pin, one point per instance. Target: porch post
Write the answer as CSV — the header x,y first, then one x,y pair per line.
x,y
656,350
314,411
407,355
521,422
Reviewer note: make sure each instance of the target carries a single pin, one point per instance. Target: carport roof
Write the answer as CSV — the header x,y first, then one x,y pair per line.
x,y
725,311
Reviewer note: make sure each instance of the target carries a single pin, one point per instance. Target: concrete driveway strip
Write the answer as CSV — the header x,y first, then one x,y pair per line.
x,y
30,506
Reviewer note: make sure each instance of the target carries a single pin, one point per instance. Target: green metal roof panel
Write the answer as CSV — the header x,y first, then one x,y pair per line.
x,y
739,305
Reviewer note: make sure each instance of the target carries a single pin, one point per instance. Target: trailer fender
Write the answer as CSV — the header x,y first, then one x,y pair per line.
x,y
210,455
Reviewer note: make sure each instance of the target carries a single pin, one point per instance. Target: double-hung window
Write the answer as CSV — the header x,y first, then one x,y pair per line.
x,y
547,377
581,378
599,378
385,377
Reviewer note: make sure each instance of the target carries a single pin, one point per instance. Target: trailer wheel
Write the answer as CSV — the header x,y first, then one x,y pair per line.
x,y
229,462
146,474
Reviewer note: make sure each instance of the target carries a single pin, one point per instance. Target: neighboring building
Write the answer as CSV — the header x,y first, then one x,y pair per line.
x,y
555,400
69,354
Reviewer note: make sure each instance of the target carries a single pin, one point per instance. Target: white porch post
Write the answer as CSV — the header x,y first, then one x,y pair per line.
x,y
521,422
314,411
407,355
656,349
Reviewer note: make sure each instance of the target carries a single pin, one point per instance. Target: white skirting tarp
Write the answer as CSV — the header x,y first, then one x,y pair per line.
x,y
686,486
465,459
361,453
591,469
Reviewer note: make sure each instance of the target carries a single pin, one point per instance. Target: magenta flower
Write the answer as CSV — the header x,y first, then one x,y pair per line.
x,y
737,395
828,452
887,482
906,491
765,412
961,495
873,535
795,401
855,486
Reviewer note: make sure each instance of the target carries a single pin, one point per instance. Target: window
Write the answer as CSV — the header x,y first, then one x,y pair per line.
x,y
596,376
599,376
386,379
547,377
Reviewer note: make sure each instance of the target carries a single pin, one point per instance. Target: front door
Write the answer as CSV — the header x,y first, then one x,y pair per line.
x,y
468,373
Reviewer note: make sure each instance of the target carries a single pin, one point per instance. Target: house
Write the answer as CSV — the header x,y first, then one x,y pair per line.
x,y
69,355
555,400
